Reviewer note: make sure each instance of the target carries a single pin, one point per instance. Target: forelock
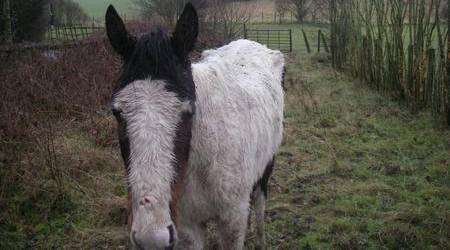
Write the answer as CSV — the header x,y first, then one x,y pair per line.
x,y
153,57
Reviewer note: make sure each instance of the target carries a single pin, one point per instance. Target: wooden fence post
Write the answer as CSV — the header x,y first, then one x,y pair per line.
x,y
333,45
66,34
306,42
57,33
290,40
245,31
279,45
72,36
430,79
319,33
325,44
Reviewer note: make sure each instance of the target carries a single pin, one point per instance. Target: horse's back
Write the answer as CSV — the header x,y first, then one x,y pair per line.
x,y
239,114
245,57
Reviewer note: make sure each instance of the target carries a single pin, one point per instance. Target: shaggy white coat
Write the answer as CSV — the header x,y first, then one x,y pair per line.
x,y
237,129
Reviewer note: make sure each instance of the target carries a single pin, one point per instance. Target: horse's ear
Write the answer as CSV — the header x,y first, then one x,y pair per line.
x,y
186,32
122,42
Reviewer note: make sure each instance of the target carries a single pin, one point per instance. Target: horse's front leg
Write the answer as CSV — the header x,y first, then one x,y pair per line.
x,y
232,227
191,236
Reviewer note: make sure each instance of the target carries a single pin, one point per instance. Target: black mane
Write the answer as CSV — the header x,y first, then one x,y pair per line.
x,y
154,57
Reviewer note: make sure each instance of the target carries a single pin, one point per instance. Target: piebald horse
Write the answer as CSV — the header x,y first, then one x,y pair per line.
x,y
198,140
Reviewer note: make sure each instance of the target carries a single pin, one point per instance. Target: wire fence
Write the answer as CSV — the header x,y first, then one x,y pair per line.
x,y
280,39
71,33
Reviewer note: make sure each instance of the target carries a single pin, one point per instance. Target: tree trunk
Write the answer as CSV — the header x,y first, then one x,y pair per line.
x,y
448,67
7,21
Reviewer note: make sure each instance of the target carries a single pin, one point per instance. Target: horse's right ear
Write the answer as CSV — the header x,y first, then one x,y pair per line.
x,y
122,42
186,32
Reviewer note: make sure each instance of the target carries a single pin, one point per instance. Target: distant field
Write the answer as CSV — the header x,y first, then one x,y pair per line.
x,y
97,8
260,11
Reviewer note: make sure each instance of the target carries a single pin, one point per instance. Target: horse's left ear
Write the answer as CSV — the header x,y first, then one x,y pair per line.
x,y
186,32
122,42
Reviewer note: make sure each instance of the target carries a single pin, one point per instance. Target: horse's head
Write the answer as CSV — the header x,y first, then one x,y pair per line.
x,y
154,107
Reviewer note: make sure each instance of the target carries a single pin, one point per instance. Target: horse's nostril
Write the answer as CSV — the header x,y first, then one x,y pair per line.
x,y
172,235
134,241
160,239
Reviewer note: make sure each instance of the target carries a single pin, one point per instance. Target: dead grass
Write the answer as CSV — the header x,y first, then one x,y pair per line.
x,y
62,181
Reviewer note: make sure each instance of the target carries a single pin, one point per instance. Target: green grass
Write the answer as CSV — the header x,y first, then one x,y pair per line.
x,y
97,8
355,171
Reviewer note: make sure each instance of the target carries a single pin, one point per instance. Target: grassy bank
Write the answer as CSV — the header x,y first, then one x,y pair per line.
x,y
356,170
97,8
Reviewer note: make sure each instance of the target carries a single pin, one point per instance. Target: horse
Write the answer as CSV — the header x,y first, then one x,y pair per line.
x,y
198,139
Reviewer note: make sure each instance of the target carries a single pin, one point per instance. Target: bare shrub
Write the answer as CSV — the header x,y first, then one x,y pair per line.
x,y
300,9
221,20
167,10
42,98
226,20
319,10
28,19
303,9
74,85
282,7
66,12
397,47
56,136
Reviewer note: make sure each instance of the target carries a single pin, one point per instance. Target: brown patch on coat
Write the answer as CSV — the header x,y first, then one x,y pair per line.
x,y
264,182
130,210
181,152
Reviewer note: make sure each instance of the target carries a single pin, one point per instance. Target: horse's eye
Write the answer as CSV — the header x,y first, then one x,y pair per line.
x,y
116,112
188,108
147,200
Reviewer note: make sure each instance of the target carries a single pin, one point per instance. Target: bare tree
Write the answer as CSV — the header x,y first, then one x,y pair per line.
x,y
315,9
223,19
149,9
167,10
6,21
319,10
300,9
66,12
448,64
24,20
282,7
226,19
444,9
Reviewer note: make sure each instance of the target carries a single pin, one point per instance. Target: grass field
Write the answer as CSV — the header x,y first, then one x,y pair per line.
x,y
259,11
97,8
355,171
